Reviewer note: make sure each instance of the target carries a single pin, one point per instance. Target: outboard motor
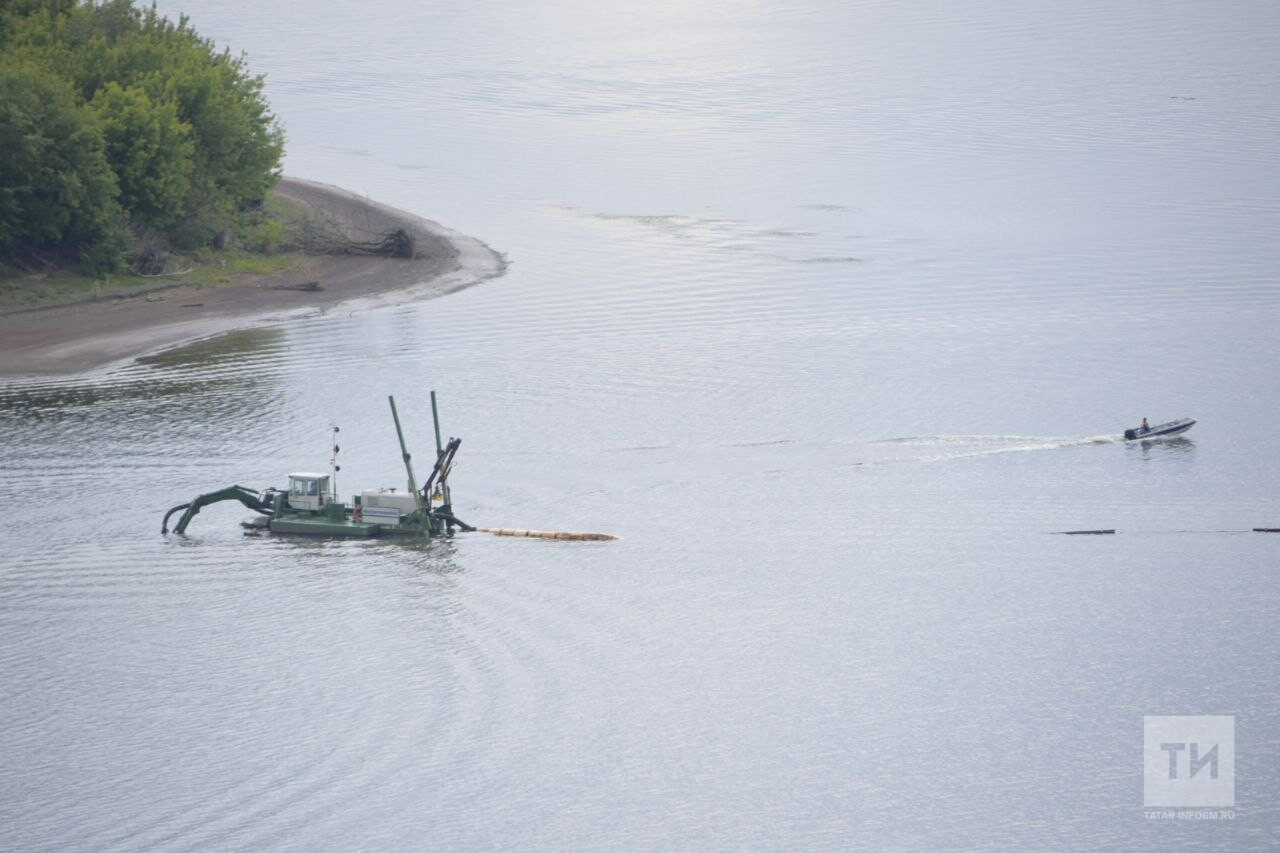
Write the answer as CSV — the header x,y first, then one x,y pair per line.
x,y
1130,434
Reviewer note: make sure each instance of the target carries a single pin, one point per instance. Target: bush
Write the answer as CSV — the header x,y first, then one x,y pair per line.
x,y
111,115
58,192
266,236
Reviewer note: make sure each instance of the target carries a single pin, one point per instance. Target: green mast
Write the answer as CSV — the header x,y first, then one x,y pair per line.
x,y
408,465
444,485
435,416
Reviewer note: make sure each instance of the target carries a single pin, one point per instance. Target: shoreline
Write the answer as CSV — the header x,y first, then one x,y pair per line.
x,y
76,337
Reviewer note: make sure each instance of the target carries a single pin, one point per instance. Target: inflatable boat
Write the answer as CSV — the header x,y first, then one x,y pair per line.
x,y
1177,427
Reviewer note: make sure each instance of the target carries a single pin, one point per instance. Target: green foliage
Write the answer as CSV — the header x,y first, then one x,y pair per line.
x,y
57,189
185,131
151,151
263,235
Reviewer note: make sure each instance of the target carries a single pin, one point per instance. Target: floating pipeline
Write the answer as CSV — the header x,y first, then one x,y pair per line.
x,y
549,534
1101,532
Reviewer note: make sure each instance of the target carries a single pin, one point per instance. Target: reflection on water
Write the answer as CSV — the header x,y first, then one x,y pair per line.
x,y
233,351
1177,444
822,307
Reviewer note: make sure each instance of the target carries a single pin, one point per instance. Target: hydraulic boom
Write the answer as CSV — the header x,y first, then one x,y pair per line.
x,y
246,496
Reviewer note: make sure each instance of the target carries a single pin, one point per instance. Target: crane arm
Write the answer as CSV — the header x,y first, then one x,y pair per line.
x,y
243,494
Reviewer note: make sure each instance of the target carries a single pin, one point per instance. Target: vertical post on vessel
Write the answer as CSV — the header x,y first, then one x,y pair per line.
x,y
444,487
435,417
408,465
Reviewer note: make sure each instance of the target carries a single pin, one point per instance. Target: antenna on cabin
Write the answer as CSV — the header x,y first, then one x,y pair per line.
x,y
334,467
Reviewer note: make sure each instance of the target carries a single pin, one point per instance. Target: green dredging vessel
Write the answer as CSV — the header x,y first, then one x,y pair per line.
x,y
309,506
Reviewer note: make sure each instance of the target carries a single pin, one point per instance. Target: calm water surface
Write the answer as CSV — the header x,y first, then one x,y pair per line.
x,y
833,311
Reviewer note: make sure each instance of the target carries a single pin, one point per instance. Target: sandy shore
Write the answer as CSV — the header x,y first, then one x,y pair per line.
x,y
84,335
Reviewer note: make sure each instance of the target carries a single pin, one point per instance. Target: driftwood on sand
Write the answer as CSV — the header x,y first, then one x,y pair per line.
x,y
324,234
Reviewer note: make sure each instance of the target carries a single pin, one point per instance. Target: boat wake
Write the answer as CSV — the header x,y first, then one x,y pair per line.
x,y
948,447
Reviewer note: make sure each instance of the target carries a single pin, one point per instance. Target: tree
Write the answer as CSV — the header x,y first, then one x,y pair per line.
x,y
150,150
237,141
57,189
185,131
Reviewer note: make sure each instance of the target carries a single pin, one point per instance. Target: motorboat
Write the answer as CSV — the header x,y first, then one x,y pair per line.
x,y
1164,430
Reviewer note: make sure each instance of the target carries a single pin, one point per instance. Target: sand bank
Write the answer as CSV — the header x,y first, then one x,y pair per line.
x,y
79,336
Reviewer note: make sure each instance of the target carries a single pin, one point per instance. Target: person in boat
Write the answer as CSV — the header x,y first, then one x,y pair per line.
x,y
1145,426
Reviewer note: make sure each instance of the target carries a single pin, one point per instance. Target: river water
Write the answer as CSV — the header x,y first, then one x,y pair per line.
x,y
833,311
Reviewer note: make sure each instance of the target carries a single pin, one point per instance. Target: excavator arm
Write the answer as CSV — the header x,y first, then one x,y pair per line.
x,y
245,495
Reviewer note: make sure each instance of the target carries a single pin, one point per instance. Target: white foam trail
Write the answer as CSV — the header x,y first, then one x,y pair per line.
x,y
969,446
